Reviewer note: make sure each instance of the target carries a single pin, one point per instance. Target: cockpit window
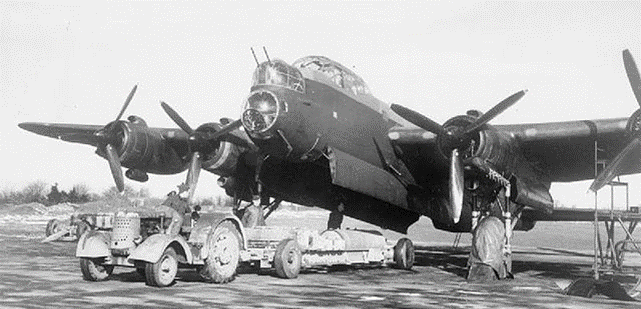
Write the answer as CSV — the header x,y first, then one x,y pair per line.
x,y
340,76
279,73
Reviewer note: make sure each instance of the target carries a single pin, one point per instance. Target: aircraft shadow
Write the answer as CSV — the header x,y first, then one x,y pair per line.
x,y
454,260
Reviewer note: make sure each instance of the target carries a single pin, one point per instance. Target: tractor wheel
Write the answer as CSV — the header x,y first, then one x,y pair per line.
x,y
404,254
53,226
92,270
287,260
224,254
163,272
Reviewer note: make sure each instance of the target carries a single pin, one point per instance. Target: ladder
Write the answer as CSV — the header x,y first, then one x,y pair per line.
x,y
611,259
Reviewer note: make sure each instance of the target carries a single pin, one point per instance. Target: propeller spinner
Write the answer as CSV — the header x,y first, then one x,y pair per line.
x,y
631,153
107,138
197,142
456,139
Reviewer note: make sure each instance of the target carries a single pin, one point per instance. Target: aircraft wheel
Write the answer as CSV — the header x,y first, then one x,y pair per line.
x,y
163,272
404,254
287,260
224,254
481,273
584,287
92,270
53,226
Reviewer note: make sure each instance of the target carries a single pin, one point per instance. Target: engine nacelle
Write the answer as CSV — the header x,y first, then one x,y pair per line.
x,y
143,149
497,149
491,146
223,157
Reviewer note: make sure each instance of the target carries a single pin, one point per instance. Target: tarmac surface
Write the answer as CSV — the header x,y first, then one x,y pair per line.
x,y
37,275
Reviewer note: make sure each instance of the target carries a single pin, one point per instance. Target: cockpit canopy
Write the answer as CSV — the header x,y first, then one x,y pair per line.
x,y
279,73
334,72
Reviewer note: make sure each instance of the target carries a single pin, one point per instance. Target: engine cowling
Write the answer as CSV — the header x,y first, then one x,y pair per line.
x,y
222,157
495,153
145,149
489,145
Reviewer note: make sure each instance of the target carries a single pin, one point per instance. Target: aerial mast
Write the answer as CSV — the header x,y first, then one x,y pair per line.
x,y
266,55
253,53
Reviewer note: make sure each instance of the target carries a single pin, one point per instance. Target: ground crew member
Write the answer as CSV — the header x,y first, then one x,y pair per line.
x,y
176,207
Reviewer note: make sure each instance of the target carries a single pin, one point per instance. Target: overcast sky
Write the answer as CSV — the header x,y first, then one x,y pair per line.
x,y
75,62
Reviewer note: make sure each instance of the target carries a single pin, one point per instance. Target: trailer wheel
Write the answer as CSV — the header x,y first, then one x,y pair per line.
x,y
163,272
404,254
287,259
141,271
53,226
224,254
92,270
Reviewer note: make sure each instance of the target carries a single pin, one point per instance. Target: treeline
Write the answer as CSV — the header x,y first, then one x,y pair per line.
x,y
46,194
41,192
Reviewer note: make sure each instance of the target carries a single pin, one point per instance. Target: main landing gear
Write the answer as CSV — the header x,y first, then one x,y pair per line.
x,y
491,255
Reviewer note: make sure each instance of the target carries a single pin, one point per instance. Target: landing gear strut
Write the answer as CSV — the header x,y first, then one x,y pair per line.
x,y
491,255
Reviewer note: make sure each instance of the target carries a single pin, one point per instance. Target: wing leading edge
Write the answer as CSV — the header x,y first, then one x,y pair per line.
x,y
75,133
565,151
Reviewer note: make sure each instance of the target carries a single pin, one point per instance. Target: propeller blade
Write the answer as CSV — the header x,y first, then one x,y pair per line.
x,y
224,130
494,111
456,187
192,175
114,165
633,74
628,157
176,118
124,107
419,120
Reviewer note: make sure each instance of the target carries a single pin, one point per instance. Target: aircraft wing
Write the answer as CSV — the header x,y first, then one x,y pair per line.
x,y
84,134
75,133
565,151
560,151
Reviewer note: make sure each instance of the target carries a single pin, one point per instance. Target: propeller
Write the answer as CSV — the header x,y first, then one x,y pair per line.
x,y
630,154
455,138
456,186
197,142
107,137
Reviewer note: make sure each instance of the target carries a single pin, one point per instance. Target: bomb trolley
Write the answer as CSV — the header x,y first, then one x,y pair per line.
x,y
215,244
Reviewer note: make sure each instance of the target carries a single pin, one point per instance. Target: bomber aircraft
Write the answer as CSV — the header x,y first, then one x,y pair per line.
x,y
312,133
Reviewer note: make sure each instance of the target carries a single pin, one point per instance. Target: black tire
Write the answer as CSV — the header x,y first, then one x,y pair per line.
x,y
53,226
81,228
404,254
287,260
142,271
223,257
162,273
584,287
480,273
92,270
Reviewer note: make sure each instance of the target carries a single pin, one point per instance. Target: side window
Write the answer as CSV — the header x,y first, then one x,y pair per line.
x,y
350,84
